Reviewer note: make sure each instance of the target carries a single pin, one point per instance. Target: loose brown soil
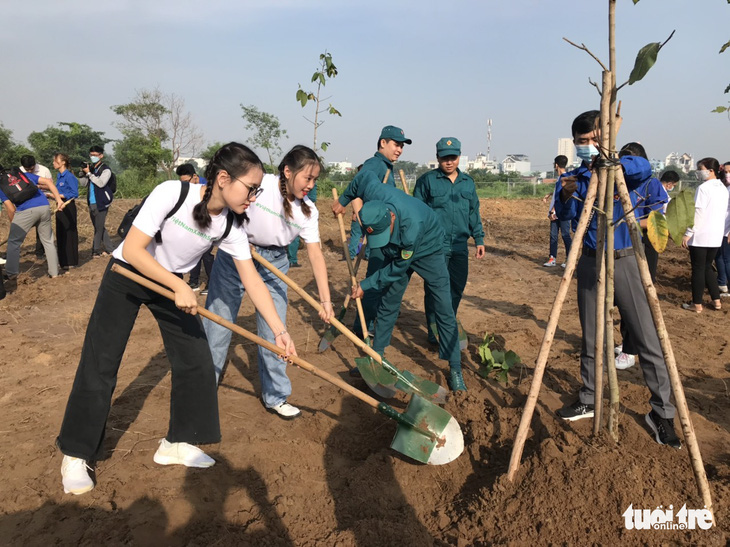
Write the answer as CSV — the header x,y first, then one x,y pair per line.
x,y
330,478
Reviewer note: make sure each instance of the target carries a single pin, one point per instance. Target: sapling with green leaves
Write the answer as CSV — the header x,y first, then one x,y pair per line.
x,y
326,71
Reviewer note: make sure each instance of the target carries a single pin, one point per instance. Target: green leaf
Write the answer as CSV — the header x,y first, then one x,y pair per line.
x,y
302,97
484,371
727,89
637,1
333,110
498,356
645,59
658,230
727,44
510,360
720,109
503,377
486,354
324,146
316,76
321,79
680,215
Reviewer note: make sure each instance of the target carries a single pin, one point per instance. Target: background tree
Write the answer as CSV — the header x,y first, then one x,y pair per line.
x,y
326,71
266,130
161,121
10,151
71,138
208,153
409,167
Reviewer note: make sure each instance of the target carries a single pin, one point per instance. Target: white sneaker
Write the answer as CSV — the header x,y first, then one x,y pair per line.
x,y
3,261
624,361
182,453
285,411
723,289
563,265
550,263
618,349
75,473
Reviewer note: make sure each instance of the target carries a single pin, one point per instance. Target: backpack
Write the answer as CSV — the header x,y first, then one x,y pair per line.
x,y
16,186
132,213
112,184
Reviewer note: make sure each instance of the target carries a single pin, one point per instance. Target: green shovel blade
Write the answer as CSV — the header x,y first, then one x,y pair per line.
x,y
376,377
426,432
332,332
431,391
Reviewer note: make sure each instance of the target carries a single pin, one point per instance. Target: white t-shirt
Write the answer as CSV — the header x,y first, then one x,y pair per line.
x,y
40,170
711,209
183,242
267,225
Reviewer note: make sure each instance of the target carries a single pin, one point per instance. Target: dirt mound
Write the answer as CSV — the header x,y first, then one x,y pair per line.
x,y
330,478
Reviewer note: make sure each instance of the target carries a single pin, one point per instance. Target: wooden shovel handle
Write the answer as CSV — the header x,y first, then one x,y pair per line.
x,y
402,176
316,305
353,279
251,336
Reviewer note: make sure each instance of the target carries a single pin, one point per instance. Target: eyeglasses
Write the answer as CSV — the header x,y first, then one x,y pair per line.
x,y
253,191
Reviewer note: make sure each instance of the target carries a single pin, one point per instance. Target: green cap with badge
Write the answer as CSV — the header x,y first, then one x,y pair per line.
x,y
394,133
375,220
448,146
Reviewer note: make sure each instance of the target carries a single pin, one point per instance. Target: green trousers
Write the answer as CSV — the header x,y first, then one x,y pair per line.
x,y
457,263
432,269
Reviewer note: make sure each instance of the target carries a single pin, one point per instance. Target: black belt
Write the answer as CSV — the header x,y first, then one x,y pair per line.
x,y
628,251
268,247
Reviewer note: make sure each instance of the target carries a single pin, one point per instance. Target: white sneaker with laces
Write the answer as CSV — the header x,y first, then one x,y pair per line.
x,y
75,473
624,361
550,263
181,453
285,410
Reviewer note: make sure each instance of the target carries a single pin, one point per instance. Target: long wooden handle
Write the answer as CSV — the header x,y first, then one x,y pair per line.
x,y
316,305
353,279
251,336
403,181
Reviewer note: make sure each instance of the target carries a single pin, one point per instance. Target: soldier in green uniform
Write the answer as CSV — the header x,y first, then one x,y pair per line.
x,y
390,146
453,197
411,239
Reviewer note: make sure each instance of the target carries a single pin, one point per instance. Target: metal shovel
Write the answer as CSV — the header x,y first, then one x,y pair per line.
x,y
426,432
380,375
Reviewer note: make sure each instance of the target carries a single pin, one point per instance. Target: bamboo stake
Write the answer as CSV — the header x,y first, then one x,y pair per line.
x,y
656,312
601,223
547,340
402,176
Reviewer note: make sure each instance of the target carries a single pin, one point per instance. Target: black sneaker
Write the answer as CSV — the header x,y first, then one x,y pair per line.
x,y
663,430
194,286
576,411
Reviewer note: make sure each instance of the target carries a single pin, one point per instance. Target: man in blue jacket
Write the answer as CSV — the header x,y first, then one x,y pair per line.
x,y
102,185
629,293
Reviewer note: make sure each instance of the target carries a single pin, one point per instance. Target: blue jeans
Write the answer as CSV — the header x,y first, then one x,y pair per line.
x,y
722,261
564,227
225,293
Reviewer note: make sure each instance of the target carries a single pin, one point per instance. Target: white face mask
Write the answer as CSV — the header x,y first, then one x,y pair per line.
x,y
585,151
703,175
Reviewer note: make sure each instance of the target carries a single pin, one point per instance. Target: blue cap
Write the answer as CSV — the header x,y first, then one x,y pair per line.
x,y
394,133
375,220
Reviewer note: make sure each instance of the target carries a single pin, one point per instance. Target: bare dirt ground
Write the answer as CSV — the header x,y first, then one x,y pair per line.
x,y
330,478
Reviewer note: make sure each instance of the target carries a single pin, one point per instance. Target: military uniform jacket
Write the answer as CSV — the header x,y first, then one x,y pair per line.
x,y
373,169
456,205
417,233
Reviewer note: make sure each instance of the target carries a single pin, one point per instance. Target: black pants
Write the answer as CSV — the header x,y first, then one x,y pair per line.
x,y
102,241
702,273
652,257
207,261
67,236
193,397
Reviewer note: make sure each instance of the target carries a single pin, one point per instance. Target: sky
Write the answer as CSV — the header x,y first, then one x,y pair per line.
x,y
434,69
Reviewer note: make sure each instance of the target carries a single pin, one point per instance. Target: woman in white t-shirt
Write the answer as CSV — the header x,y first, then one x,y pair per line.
x,y
281,213
208,214
705,237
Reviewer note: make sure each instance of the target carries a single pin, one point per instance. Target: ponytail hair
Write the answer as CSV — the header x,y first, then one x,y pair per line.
x,y
237,160
298,158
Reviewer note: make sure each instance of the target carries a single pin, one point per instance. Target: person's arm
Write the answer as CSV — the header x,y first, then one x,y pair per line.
x,y
102,179
420,190
319,269
9,209
261,298
475,224
43,182
135,253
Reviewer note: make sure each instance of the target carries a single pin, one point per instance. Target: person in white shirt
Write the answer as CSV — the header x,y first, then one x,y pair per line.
x,y
280,214
705,237
214,213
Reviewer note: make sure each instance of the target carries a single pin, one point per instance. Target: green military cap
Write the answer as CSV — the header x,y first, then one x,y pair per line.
x,y
375,220
448,146
394,133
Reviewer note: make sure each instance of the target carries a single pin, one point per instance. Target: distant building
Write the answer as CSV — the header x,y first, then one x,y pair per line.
x,y
518,163
463,163
567,149
656,165
199,163
340,166
685,162
481,162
